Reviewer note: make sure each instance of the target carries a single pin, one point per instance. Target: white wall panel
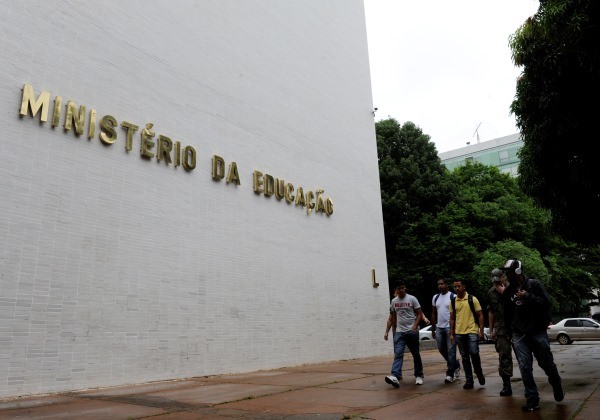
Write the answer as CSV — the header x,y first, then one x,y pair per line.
x,y
116,269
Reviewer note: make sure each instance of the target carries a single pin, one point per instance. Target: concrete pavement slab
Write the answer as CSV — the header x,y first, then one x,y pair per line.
x,y
331,391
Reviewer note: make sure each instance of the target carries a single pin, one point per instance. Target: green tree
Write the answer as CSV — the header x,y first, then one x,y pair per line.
x,y
414,188
497,254
487,207
556,109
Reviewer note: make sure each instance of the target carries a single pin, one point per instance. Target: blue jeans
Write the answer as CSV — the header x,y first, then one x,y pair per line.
x,y
447,350
468,344
534,345
402,340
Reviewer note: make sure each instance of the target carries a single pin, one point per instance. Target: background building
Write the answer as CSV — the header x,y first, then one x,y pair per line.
x,y
143,233
500,152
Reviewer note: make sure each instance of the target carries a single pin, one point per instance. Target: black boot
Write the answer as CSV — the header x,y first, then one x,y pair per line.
x,y
532,404
506,389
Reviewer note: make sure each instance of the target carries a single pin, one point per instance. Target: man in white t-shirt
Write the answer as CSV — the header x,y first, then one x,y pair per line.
x,y
440,327
405,315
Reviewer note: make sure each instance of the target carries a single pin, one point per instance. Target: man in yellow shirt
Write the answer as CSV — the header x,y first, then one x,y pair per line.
x,y
467,333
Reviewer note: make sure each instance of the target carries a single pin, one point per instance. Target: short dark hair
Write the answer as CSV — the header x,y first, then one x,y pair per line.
x,y
399,284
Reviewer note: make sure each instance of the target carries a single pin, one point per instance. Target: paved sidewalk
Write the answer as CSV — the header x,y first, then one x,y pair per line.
x,y
350,389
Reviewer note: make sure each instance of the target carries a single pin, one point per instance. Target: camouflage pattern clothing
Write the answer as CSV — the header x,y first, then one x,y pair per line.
x,y
503,343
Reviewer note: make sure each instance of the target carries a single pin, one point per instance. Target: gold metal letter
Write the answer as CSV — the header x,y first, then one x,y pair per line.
x,y
218,168
177,154
320,205
165,145
56,113
279,188
28,102
73,117
147,144
232,174
310,196
329,207
108,135
92,124
258,182
300,197
269,185
129,130
189,158
375,284
289,197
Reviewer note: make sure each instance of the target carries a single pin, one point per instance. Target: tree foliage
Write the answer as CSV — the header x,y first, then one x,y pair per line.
x,y
464,223
414,187
556,106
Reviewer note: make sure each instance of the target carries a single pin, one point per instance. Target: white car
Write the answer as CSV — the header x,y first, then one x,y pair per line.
x,y
425,333
574,329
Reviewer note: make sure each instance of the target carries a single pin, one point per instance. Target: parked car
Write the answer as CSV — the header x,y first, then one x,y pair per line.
x,y
425,333
486,335
574,329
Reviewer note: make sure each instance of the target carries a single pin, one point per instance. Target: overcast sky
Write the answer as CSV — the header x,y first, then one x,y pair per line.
x,y
446,65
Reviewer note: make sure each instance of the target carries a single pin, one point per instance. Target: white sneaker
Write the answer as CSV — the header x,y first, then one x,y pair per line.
x,y
449,379
457,373
419,380
392,380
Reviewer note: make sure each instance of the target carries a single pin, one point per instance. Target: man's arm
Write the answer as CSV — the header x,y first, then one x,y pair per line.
x,y
491,320
418,318
452,325
481,324
433,320
388,325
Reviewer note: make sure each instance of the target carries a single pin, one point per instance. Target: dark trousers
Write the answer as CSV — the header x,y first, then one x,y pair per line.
x,y
402,340
468,344
528,346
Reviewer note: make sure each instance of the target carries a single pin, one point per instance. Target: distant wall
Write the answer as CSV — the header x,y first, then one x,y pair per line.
x,y
117,267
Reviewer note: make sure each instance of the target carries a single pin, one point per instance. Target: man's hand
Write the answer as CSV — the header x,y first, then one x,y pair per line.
x,y
385,336
433,334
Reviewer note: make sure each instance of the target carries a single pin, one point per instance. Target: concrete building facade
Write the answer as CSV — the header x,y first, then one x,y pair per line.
x,y
500,152
186,189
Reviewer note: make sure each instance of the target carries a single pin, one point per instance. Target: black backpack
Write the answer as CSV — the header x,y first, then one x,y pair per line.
x,y
471,304
452,296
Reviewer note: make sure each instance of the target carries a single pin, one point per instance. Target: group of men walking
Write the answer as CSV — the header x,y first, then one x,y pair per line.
x,y
518,315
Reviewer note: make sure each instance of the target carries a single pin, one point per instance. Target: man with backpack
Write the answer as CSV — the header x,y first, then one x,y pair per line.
x,y
440,329
527,315
466,330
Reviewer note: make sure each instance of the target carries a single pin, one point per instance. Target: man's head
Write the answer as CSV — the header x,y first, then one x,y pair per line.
x,y
513,269
400,289
442,285
497,276
459,288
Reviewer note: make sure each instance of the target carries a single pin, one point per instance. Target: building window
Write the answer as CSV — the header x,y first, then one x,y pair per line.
x,y
503,154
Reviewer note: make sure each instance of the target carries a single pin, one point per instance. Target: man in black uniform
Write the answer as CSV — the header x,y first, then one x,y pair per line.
x,y
527,315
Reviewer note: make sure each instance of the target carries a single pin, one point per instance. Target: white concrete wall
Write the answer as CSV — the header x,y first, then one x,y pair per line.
x,y
116,269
